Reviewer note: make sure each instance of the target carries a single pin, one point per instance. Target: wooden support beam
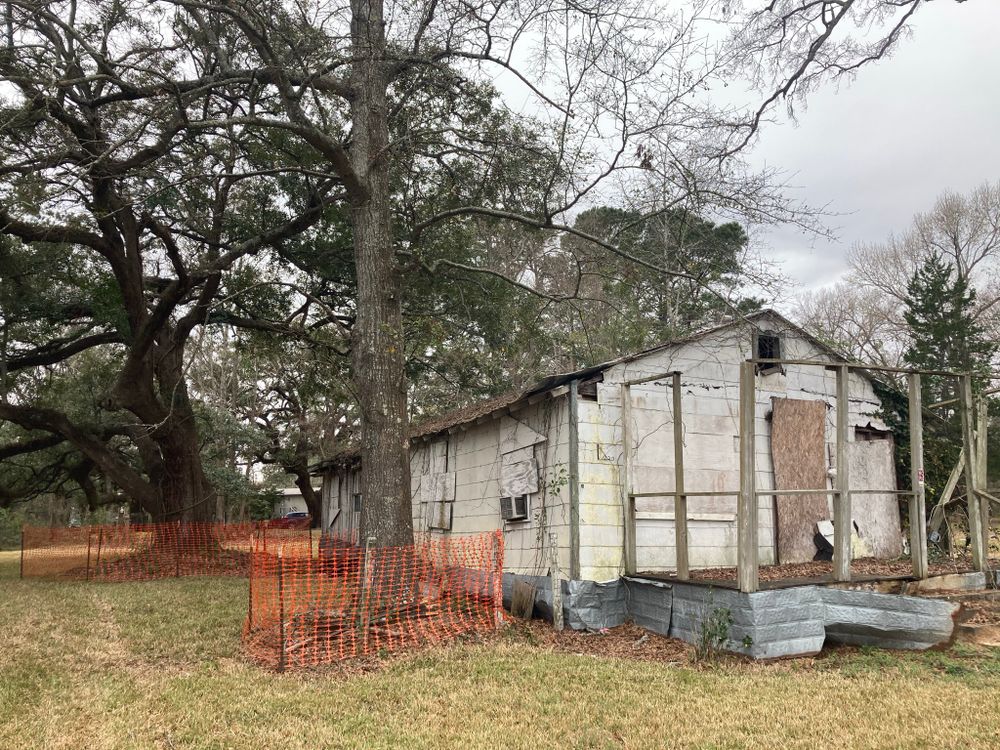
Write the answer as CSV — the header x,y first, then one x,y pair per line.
x,y
971,473
747,557
853,366
982,456
574,480
918,510
680,500
651,378
842,524
555,577
628,503
950,401
937,515
690,493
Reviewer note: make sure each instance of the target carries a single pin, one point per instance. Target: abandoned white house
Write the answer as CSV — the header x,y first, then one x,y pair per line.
x,y
549,462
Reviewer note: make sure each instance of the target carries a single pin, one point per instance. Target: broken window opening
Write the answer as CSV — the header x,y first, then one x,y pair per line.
x,y
768,346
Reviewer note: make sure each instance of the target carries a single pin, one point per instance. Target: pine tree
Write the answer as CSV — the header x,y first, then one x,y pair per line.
x,y
945,335
944,332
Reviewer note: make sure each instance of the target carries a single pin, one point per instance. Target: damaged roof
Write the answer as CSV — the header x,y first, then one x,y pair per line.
x,y
485,407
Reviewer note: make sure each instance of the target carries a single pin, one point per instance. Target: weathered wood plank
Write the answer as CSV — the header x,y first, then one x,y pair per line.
x,y
918,517
971,474
628,511
799,453
680,500
746,513
842,519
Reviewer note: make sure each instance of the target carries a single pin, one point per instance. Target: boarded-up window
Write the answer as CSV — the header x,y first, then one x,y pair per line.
x,y
437,493
798,447
437,486
518,477
876,516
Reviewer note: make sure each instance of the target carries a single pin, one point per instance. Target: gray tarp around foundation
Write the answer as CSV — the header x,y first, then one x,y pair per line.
x,y
765,625
587,605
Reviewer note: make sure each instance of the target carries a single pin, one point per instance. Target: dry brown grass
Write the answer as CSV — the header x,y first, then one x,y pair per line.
x,y
157,665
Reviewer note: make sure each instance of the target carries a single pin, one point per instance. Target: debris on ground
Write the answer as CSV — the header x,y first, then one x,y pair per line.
x,y
865,566
626,641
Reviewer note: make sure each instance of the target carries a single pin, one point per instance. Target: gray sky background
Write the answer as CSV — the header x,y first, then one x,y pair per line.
x,y
882,148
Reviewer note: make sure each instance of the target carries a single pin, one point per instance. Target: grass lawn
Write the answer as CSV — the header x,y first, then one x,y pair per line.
x,y
158,665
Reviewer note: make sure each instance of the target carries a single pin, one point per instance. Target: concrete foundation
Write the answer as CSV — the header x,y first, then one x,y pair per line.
x,y
793,621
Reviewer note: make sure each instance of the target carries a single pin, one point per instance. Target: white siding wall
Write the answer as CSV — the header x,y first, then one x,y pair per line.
x,y
474,455
710,403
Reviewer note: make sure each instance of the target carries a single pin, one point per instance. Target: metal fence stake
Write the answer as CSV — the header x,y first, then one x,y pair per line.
x,y
100,540
281,610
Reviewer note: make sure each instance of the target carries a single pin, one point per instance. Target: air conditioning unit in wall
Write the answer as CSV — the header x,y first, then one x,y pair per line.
x,y
514,508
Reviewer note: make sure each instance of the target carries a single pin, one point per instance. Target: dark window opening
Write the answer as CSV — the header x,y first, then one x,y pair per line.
x,y
868,433
357,502
768,347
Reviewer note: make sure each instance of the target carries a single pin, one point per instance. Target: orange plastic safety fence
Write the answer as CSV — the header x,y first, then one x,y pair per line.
x,y
348,601
136,552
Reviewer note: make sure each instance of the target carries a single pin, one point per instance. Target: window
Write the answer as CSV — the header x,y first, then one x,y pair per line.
x,y
357,502
768,346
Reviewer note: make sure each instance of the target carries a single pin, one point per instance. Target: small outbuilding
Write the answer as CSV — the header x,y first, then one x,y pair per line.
x,y
567,466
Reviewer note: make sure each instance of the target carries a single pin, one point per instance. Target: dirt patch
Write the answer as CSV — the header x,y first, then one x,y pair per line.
x,y
980,612
625,642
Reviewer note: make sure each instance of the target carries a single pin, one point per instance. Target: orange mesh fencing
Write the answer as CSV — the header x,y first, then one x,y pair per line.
x,y
139,552
348,601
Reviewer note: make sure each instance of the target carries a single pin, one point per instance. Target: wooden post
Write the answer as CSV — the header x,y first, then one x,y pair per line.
x,y
498,581
556,579
842,521
87,575
680,499
281,609
747,560
971,473
21,573
918,510
982,456
574,480
628,503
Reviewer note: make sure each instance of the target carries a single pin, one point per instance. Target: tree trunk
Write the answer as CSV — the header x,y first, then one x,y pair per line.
x,y
312,498
377,346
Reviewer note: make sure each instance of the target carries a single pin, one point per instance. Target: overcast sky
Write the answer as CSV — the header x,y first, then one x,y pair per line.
x,y
881,149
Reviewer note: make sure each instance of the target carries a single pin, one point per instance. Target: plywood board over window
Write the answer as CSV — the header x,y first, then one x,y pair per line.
x,y
518,474
798,448
877,516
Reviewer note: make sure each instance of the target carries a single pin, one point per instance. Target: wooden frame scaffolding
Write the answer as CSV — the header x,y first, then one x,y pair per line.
x,y
748,548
